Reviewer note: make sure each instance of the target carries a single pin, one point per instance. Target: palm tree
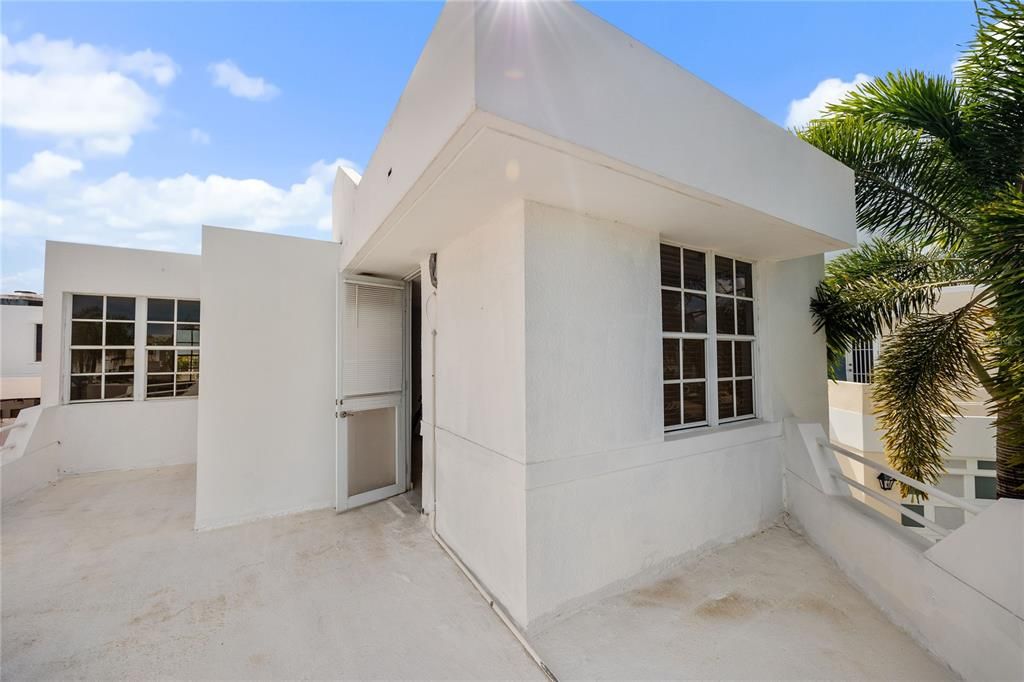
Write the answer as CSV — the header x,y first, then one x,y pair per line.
x,y
939,168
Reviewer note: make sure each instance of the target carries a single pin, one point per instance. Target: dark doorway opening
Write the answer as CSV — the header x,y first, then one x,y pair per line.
x,y
416,395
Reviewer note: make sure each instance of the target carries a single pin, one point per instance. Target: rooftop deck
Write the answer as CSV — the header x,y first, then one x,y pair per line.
x,y
103,577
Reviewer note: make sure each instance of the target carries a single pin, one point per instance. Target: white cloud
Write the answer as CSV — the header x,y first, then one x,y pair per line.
x,y
166,213
828,91
227,75
79,93
44,168
199,136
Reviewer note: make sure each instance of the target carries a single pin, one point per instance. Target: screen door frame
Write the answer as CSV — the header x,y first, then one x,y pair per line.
x,y
350,404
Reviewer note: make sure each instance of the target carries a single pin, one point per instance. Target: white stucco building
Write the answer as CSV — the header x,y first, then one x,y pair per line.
x,y
568,300
21,339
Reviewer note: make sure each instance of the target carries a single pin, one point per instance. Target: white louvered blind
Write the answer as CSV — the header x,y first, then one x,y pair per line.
x,y
372,343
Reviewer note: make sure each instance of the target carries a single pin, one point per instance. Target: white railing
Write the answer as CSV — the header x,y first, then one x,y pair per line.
x,y
861,363
889,502
5,431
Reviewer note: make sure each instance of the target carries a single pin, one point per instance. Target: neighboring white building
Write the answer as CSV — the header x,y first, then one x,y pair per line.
x,y
970,466
21,345
612,342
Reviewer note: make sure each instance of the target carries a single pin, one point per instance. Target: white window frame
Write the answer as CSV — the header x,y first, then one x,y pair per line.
x,y
732,338
969,472
69,319
711,339
175,348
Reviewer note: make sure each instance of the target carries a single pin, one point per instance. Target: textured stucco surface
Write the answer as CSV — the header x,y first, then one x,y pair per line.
x,y
104,578
767,607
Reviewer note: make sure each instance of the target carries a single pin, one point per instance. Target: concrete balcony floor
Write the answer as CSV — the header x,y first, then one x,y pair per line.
x,y
103,577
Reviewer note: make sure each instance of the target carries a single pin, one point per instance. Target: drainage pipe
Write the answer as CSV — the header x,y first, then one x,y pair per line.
x,y
491,601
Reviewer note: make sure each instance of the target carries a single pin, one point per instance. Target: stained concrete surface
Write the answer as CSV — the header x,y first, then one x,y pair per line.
x,y
104,578
767,607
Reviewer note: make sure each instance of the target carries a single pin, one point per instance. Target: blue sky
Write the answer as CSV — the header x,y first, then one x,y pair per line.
x,y
131,124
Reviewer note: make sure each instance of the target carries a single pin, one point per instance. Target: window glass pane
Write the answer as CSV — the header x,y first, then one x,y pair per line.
x,y
188,335
693,358
120,334
85,388
911,523
671,311
160,310
86,307
120,360
187,385
160,335
120,308
188,311
118,386
726,321
188,361
949,517
744,279
694,274
670,270
956,464
744,398
159,385
724,359
984,488
723,275
86,333
694,403
725,402
86,361
696,313
982,464
673,412
744,359
670,358
745,317
39,343
952,484
160,361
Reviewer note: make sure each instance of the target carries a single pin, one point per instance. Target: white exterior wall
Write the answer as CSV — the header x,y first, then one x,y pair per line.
x,y
480,408
560,70
268,379
19,371
122,434
607,494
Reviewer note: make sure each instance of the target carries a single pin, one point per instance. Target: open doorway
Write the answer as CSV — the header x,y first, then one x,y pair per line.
x,y
415,394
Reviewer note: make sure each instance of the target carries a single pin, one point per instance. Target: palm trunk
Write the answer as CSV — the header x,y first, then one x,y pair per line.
x,y
1009,461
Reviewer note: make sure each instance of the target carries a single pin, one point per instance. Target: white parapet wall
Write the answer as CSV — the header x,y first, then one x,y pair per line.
x,y
960,598
266,435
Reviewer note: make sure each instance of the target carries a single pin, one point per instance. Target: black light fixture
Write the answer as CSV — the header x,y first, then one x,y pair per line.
x,y
885,481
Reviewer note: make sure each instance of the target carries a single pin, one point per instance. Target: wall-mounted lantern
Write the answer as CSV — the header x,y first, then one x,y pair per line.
x,y
885,481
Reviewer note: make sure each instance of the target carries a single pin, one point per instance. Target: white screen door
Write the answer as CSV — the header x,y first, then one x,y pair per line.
x,y
371,378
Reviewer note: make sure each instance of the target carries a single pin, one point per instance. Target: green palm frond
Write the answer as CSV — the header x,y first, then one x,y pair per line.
x,y
867,291
924,368
907,184
991,76
911,100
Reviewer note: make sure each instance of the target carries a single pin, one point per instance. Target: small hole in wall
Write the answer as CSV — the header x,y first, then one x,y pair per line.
x,y
389,172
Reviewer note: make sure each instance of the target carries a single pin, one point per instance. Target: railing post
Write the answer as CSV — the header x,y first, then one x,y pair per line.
x,y
824,461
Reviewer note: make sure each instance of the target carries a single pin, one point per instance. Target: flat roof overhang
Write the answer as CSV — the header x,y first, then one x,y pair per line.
x,y
491,162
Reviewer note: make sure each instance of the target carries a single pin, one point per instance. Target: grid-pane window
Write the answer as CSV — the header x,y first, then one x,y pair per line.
x,y
684,324
734,333
707,353
102,364
172,348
